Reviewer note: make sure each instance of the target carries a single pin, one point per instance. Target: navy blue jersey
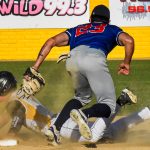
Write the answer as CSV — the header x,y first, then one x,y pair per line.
x,y
95,35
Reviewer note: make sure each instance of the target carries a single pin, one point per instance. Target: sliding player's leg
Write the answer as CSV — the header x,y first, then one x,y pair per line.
x,y
118,129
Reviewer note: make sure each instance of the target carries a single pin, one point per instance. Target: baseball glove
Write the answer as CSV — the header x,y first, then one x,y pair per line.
x,y
34,81
63,57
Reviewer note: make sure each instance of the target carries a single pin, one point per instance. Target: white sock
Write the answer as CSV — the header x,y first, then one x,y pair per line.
x,y
98,129
144,113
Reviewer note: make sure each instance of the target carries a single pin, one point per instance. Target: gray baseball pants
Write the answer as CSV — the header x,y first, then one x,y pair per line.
x,y
90,74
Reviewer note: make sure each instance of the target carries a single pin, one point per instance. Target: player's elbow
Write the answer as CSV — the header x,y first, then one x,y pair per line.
x,y
125,39
129,41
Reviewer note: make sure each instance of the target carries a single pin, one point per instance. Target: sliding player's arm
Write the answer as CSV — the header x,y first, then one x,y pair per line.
x,y
17,113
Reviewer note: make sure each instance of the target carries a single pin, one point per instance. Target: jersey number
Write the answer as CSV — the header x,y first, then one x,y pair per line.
x,y
89,28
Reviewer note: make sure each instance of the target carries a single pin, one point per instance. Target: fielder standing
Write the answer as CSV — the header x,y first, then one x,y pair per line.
x,y
89,44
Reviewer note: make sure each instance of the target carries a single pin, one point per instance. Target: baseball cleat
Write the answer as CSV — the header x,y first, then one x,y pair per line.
x,y
53,136
80,119
127,97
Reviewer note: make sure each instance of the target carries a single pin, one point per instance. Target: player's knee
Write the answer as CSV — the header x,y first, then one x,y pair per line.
x,y
110,104
102,109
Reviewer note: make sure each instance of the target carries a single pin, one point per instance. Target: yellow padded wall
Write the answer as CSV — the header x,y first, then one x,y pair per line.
x,y
24,44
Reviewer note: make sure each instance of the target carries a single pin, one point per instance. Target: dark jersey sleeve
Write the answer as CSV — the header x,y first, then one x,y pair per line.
x,y
17,113
117,31
71,33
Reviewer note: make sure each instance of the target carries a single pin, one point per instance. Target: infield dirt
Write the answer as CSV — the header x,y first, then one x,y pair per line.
x,y
138,139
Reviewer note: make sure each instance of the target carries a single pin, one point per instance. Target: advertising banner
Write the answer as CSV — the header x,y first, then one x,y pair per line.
x,y
43,13
130,12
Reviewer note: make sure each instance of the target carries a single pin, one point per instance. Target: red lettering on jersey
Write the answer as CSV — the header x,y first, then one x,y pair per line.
x,y
83,29
98,29
89,28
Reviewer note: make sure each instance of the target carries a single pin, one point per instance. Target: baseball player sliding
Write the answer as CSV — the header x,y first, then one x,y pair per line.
x,y
26,110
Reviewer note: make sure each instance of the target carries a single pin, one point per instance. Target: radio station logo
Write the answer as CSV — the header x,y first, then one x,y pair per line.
x,y
47,7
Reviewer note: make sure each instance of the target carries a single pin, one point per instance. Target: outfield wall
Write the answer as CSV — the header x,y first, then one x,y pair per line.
x,y
24,44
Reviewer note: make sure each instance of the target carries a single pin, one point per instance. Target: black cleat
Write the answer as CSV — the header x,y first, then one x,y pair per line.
x,y
127,97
